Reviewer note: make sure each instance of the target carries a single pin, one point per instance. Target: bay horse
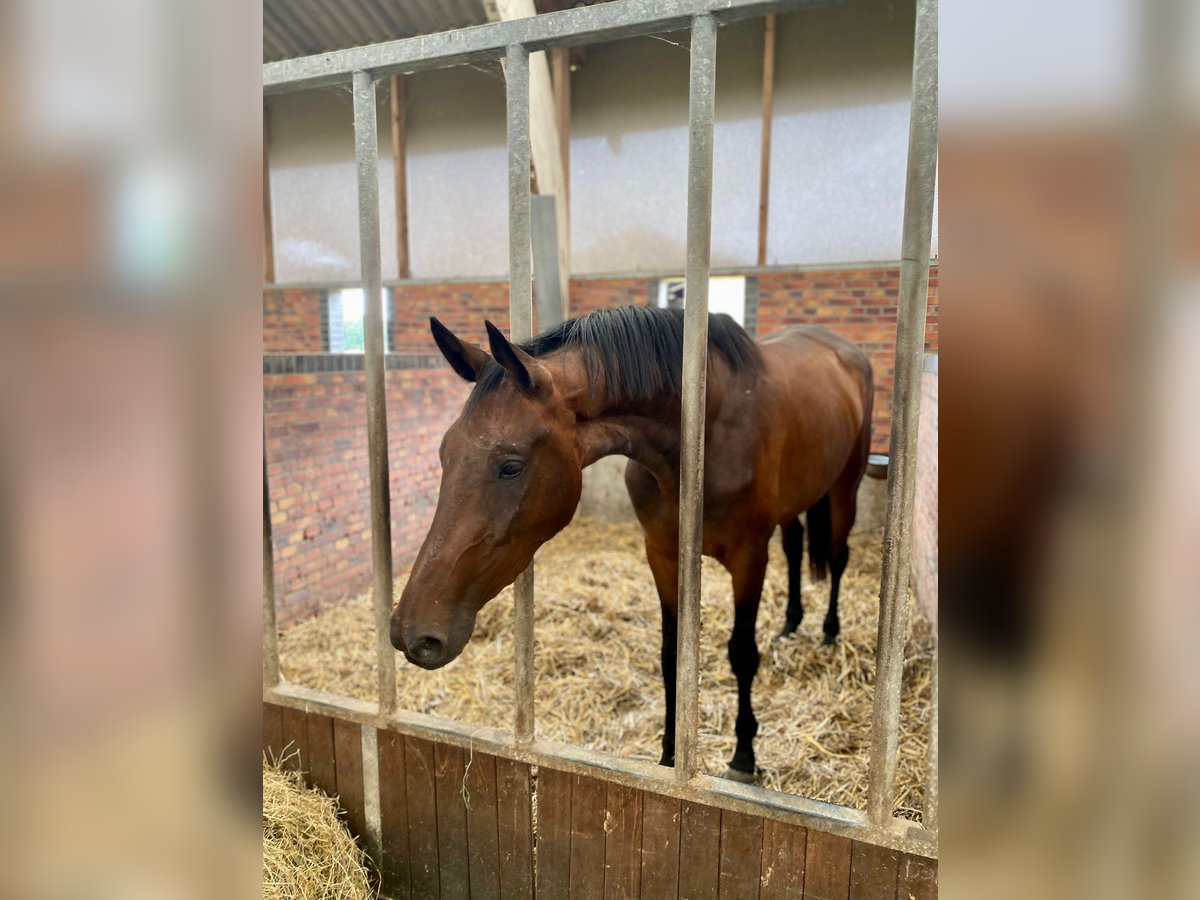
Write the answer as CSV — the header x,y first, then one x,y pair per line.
x,y
787,430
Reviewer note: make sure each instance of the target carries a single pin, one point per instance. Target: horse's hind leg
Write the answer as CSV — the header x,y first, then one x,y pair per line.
x,y
843,498
664,563
793,549
748,568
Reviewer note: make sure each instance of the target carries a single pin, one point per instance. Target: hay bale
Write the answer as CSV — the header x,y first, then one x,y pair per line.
x,y
599,685
307,852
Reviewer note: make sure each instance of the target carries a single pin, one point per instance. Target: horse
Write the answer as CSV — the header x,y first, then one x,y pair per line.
x,y
787,432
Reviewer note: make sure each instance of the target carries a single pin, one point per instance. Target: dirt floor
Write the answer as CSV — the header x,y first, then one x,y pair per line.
x,y
598,679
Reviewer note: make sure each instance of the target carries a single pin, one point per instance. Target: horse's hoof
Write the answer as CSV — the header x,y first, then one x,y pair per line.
x,y
738,775
829,641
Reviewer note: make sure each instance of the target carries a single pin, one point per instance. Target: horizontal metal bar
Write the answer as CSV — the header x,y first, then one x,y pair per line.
x,y
570,27
906,408
702,91
640,774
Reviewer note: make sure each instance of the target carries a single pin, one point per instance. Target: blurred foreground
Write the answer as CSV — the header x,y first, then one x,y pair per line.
x,y
130,452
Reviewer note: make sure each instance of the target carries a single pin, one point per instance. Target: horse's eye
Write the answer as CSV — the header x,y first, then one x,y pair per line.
x,y
512,469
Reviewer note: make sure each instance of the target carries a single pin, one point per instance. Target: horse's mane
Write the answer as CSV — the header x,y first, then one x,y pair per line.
x,y
637,351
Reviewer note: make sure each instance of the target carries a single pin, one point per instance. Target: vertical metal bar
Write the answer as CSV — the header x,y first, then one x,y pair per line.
x,y
366,152
930,817
270,634
702,90
370,776
520,313
906,405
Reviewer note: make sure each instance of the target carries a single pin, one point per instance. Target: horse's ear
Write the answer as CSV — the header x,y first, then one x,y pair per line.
x,y
519,364
465,359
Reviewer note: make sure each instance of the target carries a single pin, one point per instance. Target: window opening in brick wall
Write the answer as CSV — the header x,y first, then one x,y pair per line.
x,y
726,294
345,313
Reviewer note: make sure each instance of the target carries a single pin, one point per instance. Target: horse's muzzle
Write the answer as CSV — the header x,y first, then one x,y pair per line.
x,y
428,652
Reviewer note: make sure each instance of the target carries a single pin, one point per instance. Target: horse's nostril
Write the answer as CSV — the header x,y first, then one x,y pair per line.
x,y
427,651
397,636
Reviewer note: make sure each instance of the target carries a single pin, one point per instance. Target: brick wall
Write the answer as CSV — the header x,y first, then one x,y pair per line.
x,y
461,307
859,304
925,511
293,321
588,294
316,434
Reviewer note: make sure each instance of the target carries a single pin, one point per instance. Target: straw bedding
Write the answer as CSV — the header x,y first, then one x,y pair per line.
x,y
598,677
307,852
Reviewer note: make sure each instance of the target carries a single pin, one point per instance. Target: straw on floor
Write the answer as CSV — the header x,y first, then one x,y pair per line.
x,y
307,852
598,677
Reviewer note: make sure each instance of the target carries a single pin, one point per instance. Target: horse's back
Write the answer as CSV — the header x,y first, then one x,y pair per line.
x,y
806,342
820,390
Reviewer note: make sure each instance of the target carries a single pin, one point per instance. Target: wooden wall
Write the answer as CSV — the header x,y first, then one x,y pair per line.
x,y
458,824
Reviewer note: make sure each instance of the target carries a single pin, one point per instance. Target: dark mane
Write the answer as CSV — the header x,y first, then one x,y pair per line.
x,y
636,350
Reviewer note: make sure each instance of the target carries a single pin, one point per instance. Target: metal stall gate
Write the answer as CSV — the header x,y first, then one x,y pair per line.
x,y
402,775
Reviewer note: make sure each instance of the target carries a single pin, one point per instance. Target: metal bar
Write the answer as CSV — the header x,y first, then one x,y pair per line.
x,y
897,834
929,816
270,631
520,317
570,27
768,108
369,741
906,407
702,91
366,152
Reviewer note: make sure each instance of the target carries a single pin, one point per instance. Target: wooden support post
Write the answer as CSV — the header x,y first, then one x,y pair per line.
x,y
768,106
545,140
560,65
268,228
400,160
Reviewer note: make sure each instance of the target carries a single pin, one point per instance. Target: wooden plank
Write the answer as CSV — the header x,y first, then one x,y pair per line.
x,y
453,869
347,754
741,855
272,730
295,739
699,851
322,766
660,846
918,878
589,803
514,816
420,779
873,871
553,833
268,227
768,106
782,861
483,838
827,866
622,842
560,64
394,864
400,160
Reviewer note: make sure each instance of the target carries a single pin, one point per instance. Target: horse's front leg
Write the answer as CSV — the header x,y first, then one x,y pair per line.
x,y
748,568
664,563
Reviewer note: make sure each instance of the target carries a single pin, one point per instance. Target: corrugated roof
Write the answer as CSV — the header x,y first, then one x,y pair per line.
x,y
302,27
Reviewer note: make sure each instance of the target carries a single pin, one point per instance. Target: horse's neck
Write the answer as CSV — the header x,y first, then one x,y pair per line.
x,y
647,432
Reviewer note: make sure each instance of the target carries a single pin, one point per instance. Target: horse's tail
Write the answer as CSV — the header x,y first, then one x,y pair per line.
x,y
819,519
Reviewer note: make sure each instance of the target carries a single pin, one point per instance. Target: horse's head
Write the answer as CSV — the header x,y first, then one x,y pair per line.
x,y
510,481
